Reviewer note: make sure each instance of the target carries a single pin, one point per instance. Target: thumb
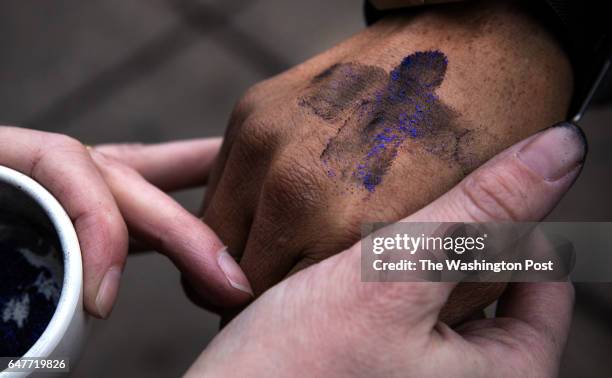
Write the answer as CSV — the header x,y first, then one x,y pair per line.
x,y
522,183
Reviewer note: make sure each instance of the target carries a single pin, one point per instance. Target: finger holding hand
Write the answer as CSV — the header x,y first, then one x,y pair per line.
x,y
157,220
170,166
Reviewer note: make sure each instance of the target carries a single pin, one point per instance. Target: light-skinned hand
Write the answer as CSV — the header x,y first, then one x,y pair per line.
x,y
324,322
113,192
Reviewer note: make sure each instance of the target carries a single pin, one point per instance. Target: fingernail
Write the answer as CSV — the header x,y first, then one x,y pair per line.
x,y
555,152
107,292
232,271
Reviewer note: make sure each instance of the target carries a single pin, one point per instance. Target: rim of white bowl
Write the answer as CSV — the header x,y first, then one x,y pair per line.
x,y
70,295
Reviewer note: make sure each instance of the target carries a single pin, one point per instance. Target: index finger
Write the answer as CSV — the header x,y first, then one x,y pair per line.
x,y
154,217
171,165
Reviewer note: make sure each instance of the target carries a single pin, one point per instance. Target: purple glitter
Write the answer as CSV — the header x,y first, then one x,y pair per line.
x,y
406,87
379,111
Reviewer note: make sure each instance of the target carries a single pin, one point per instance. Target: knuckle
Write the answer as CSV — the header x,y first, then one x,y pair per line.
x,y
110,221
247,102
257,136
105,221
294,181
494,195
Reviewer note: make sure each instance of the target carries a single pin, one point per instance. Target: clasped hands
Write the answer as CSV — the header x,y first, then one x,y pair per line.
x,y
321,320
288,188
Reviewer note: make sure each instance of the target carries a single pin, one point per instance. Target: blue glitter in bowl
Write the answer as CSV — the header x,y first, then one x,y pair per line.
x,y
31,271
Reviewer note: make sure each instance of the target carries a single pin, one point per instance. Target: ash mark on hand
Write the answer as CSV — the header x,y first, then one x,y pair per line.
x,y
378,111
